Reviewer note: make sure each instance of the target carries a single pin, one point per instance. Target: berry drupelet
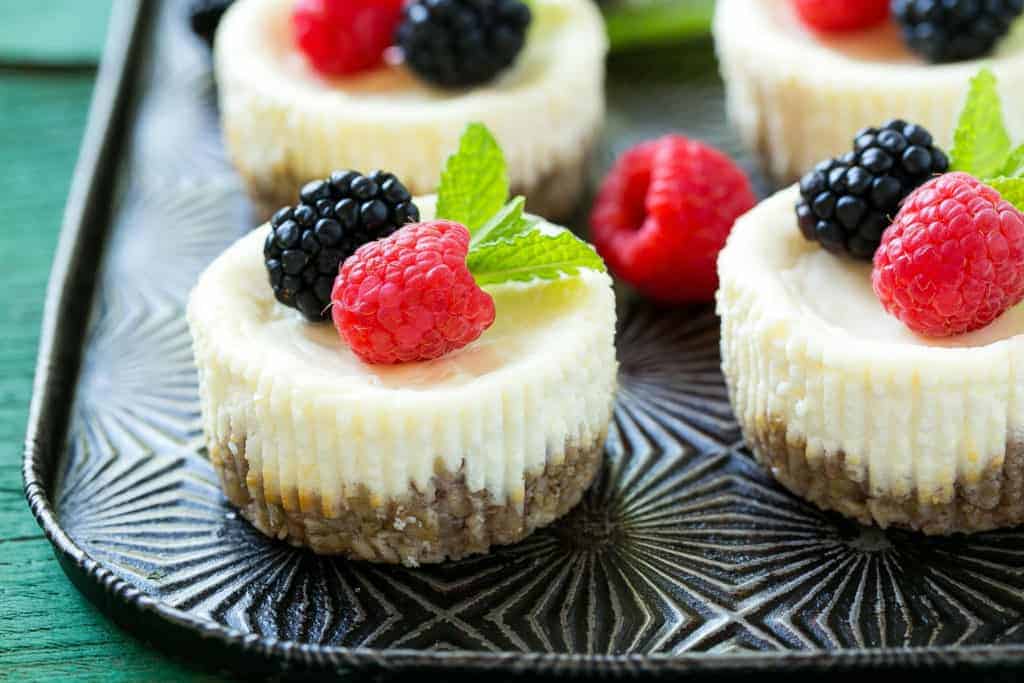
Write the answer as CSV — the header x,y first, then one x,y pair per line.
x,y
343,37
848,202
664,212
839,16
953,260
430,306
954,30
461,43
308,242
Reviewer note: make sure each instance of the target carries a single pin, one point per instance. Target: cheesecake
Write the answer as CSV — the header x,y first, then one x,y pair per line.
x,y
408,463
798,96
849,408
285,124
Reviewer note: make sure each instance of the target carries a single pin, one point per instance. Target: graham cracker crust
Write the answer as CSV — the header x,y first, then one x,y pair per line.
x,y
447,522
994,500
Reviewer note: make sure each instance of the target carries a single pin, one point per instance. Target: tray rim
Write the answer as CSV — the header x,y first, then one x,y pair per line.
x,y
79,249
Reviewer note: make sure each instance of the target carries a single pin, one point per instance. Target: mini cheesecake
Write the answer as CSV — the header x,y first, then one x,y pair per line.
x,y
798,96
853,411
411,463
284,124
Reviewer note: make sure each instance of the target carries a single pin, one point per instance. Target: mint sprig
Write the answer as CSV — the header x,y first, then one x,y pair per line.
x,y
532,255
981,143
506,244
474,183
506,224
1015,163
1011,189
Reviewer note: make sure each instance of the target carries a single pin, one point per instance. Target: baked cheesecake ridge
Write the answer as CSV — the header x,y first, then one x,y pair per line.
x,y
797,95
851,410
285,124
413,462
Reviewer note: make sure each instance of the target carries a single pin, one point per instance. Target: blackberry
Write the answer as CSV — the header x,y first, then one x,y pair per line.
x,y
308,242
848,202
205,15
460,43
954,30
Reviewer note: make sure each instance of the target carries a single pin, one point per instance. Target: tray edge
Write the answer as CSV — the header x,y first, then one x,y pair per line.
x,y
74,269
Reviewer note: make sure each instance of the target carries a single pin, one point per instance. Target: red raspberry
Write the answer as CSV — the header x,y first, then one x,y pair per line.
x,y
842,15
953,260
663,214
410,296
345,36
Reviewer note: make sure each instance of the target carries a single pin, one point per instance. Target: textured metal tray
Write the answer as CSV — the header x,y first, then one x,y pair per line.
x,y
684,558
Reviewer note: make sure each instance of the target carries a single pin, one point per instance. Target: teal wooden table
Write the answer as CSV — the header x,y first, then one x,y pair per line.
x,y
48,55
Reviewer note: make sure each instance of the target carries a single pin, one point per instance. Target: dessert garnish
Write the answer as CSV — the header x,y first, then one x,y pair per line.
x,y
954,30
664,212
981,142
461,43
342,37
447,43
308,242
947,248
953,260
417,295
937,30
838,16
204,17
847,202
411,297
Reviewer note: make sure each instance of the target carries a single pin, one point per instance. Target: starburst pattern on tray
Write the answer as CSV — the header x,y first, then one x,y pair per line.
x,y
166,236
683,545
177,131
675,399
137,388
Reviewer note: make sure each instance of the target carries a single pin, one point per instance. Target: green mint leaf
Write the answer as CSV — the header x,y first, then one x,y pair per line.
x,y
533,255
506,224
1015,164
1012,190
981,144
474,183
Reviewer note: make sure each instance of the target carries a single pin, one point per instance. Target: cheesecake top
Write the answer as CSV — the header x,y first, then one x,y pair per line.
x,y
832,295
877,49
836,291
560,29
535,324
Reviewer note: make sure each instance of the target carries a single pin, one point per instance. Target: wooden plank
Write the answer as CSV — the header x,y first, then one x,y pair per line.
x,y
68,32
48,631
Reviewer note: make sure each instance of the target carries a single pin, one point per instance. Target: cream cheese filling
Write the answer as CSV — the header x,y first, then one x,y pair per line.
x,y
881,44
279,114
798,97
851,307
806,345
318,424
